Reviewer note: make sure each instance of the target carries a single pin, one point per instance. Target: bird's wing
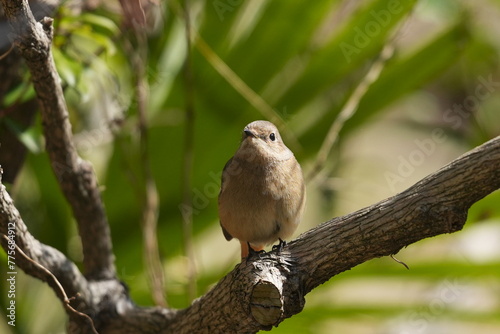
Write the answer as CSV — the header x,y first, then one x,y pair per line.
x,y
226,233
223,175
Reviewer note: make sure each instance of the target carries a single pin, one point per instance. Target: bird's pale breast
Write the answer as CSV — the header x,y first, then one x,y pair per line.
x,y
260,204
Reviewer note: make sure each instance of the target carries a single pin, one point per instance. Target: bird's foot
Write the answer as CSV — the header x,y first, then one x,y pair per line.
x,y
279,247
252,252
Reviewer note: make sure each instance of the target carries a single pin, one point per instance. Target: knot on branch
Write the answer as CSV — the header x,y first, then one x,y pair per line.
x,y
268,301
47,26
446,218
266,298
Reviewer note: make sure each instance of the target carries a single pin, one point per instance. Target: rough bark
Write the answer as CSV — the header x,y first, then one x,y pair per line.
x,y
264,291
75,176
12,151
257,294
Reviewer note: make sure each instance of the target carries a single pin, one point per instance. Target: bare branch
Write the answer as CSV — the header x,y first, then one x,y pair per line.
x,y
64,271
350,107
352,103
45,275
262,292
151,201
75,176
90,301
257,294
436,205
187,157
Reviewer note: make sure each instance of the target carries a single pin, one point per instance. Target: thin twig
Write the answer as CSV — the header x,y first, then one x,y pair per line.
x,y
58,288
352,103
399,261
6,53
151,199
187,201
237,83
241,87
349,109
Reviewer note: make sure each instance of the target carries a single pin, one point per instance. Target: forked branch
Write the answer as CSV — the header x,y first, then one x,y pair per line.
x,y
258,293
75,176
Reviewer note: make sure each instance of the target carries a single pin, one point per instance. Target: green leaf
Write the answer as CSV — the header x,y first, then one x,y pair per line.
x,y
90,42
400,77
68,69
405,75
27,136
23,92
102,22
359,40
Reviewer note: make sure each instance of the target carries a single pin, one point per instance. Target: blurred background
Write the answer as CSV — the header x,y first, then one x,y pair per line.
x,y
159,92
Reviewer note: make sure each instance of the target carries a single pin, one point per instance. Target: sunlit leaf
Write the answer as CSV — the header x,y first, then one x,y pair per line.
x,y
27,136
100,21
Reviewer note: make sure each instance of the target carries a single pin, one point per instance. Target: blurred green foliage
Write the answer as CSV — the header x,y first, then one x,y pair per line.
x,y
304,59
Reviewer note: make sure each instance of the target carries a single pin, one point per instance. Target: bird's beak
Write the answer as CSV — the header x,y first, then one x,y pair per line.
x,y
249,133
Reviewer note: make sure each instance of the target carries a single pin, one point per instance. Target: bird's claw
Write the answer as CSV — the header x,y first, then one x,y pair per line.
x,y
279,247
252,252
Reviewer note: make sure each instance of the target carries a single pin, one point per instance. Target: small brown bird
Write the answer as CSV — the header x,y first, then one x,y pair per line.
x,y
262,193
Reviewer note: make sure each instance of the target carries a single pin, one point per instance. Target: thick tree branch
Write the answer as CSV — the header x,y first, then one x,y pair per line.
x,y
82,319
24,249
257,294
13,151
97,299
261,293
75,176
435,205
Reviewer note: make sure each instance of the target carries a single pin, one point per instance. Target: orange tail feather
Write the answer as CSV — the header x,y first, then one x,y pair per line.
x,y
245,250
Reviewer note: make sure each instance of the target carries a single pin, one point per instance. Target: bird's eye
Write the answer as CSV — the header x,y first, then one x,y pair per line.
x,y
272,136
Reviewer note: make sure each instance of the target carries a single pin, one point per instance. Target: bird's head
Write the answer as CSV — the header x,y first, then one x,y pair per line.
x,y
261,142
